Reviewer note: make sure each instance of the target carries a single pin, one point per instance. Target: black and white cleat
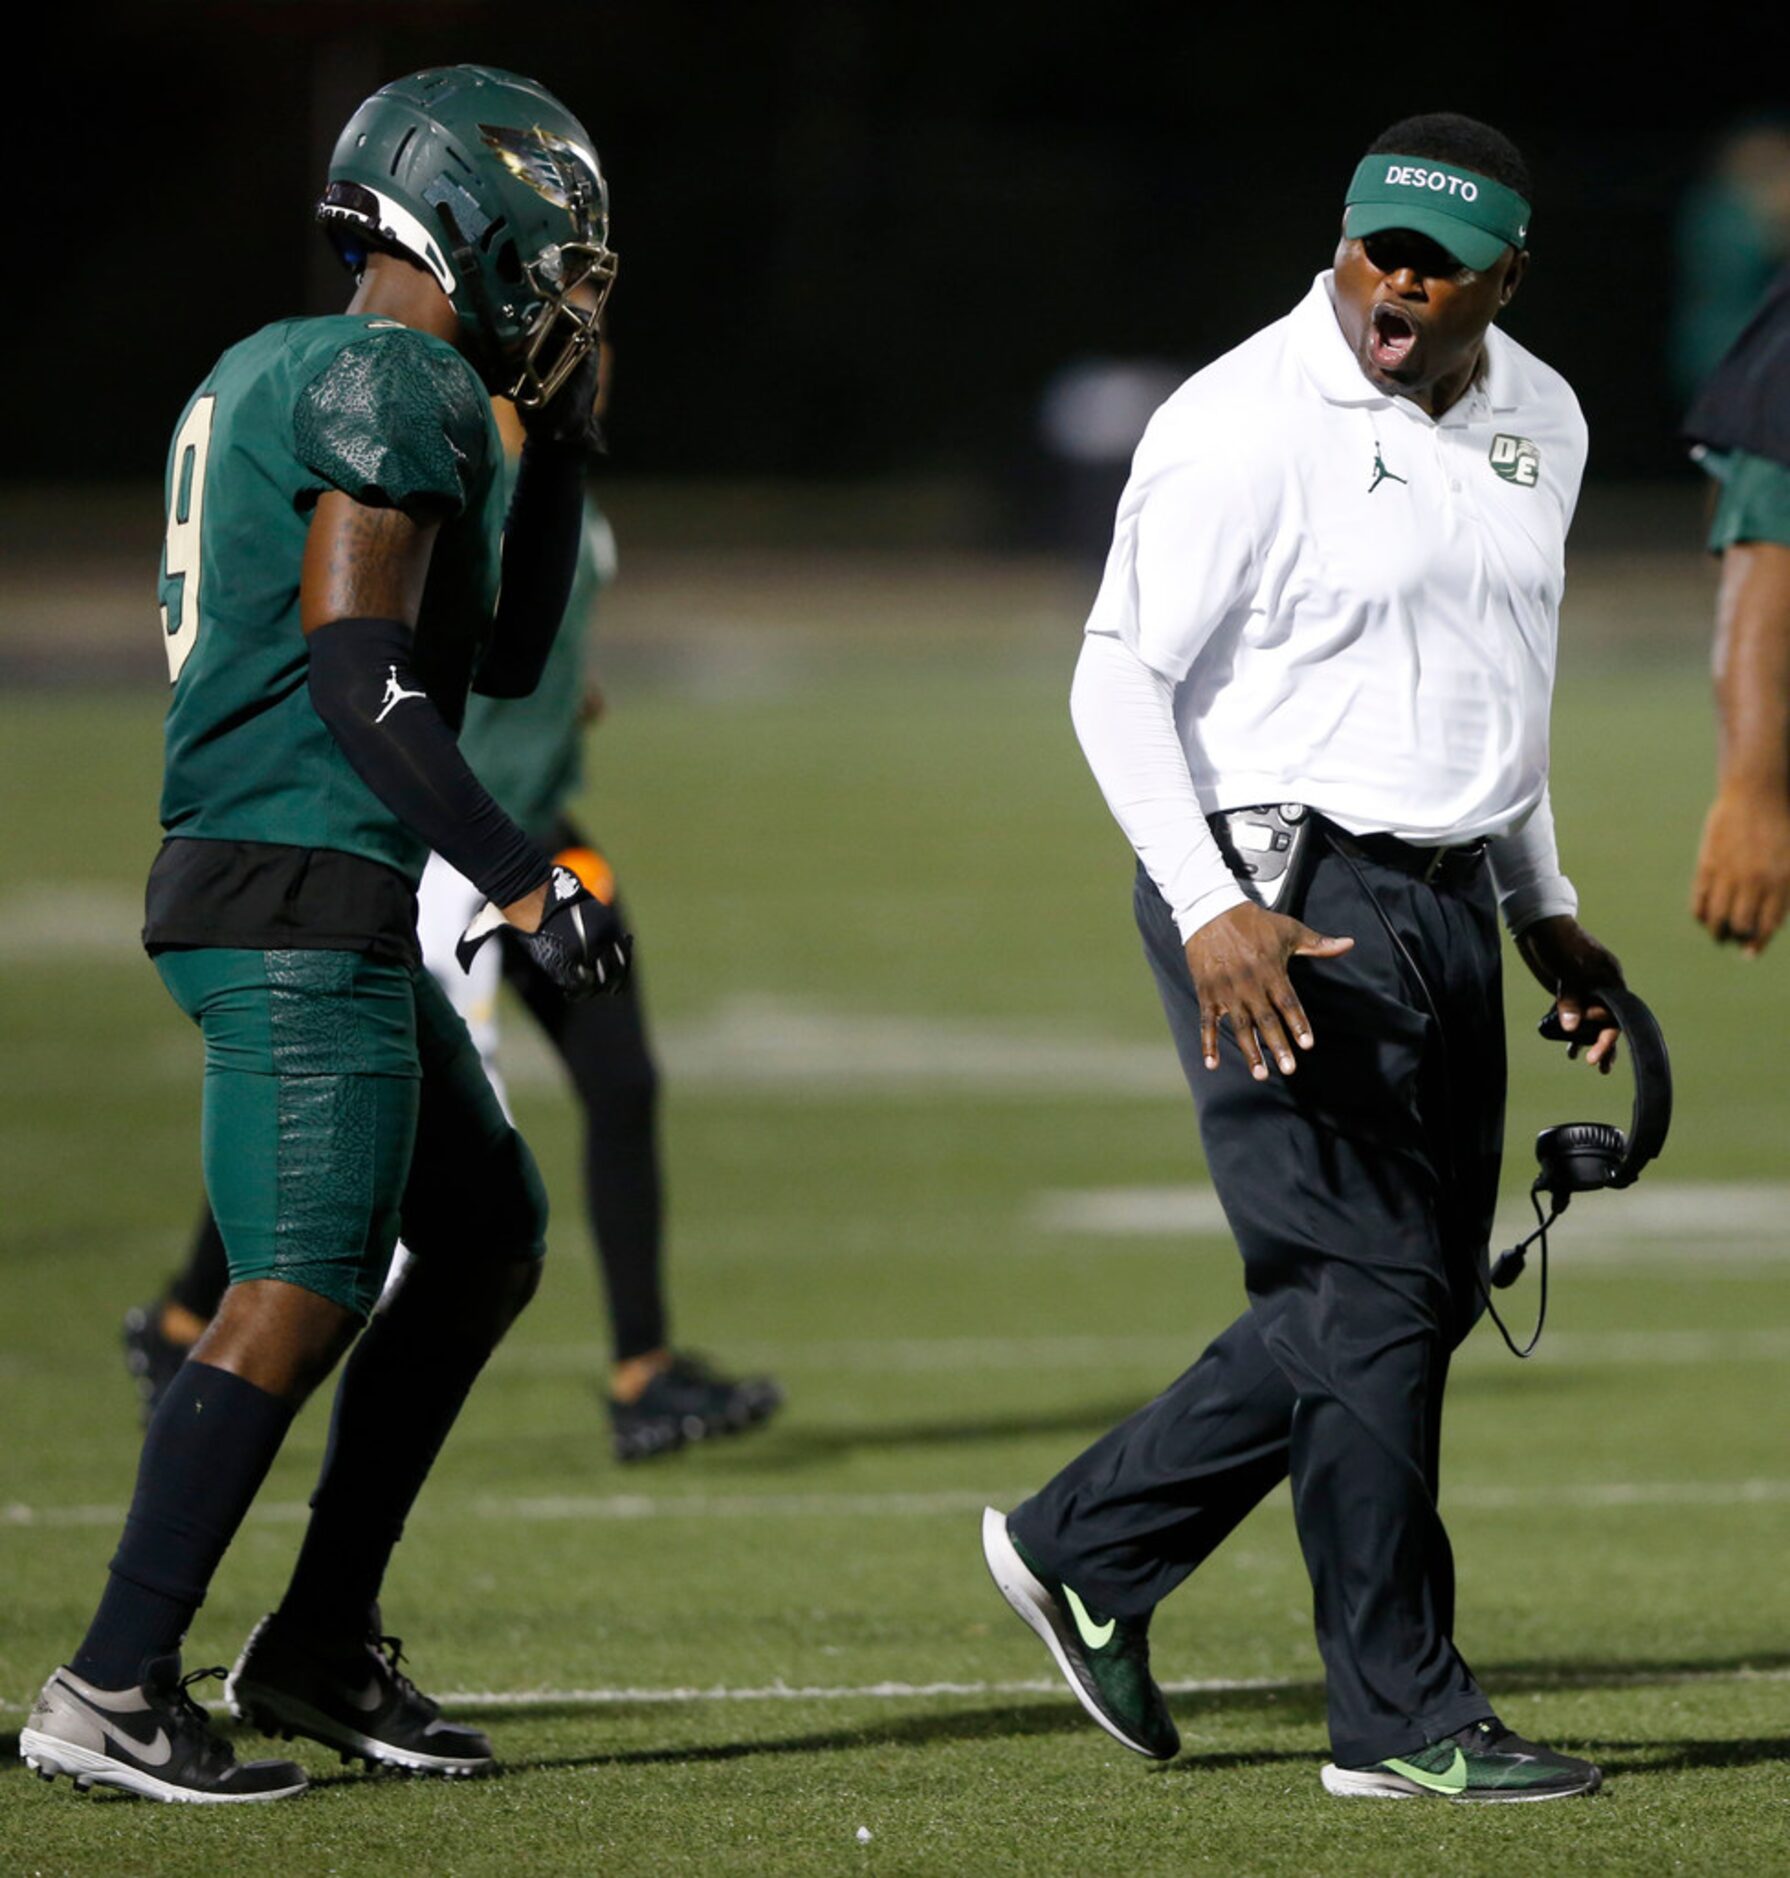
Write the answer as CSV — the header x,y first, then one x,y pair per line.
x,y
351,1695
153,1740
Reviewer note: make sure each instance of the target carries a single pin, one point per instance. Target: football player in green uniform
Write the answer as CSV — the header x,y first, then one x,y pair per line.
x,y
529,753
330,589
1740,425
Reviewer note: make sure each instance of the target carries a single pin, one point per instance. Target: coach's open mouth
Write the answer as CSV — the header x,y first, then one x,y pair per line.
x,y
1392,333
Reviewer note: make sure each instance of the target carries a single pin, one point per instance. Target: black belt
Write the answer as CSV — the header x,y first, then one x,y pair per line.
x,y
1442,866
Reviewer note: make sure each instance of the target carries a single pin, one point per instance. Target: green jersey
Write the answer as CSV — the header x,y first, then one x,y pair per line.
x,y
386,415
529,752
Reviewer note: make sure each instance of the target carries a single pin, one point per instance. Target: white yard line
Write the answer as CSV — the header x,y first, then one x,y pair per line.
x,y
1639,1677
1032,1685
607,1508
549,1508
628,1508
1684,1222
69,923
1612,1494
20,1513
896,1355
1157,1354
819,1692
772,1045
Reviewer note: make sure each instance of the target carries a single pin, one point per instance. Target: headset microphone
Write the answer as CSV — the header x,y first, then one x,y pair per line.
x,y
1580,1157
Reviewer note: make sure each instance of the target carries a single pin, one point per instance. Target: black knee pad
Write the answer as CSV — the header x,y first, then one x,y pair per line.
x,y
450,1303
477,1240
492,1210
517,1282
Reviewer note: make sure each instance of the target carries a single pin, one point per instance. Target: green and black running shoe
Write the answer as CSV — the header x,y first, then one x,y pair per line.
x,y
1482,1762
1105,1660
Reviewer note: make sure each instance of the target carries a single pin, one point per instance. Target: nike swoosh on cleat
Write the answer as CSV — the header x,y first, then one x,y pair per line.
x,y
1095,1636
1453,1780
369,1698
152,1753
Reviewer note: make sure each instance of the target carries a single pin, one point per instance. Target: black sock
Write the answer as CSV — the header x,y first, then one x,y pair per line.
x,y
604,1046
202,1281
622,1191
400,1392
207,1450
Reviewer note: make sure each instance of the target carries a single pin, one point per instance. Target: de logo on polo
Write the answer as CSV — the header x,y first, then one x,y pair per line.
x,y
1516,459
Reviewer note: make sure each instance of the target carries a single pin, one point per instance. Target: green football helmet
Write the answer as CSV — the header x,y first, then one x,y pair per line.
x,y
487,181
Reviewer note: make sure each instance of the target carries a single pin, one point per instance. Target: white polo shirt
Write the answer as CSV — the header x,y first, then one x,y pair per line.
x,y
1346,603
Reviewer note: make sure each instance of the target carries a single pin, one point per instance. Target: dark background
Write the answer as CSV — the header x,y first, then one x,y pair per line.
x,y
857,238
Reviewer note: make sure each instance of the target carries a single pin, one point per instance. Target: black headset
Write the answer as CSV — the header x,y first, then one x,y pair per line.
x,y
1580,1157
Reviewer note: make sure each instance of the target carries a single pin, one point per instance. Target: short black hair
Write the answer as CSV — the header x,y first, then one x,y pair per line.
x,y
1458,139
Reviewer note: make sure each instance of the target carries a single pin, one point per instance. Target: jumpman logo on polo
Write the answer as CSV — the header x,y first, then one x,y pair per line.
x,y
395,694
1381,473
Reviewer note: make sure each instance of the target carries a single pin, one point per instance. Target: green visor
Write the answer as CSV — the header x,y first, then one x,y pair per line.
x,y
1471,216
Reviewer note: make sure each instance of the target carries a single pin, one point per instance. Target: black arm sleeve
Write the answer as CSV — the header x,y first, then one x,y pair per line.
x,y
540,558
402,749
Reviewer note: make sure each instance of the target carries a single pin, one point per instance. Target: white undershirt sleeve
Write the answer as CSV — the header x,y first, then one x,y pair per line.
x,y
1124,715
1526,871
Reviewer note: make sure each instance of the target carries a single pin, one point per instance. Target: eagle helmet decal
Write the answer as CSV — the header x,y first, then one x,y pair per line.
x,y
555,168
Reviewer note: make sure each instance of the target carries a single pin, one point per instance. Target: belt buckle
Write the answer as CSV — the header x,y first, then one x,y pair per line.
x,y
1437,861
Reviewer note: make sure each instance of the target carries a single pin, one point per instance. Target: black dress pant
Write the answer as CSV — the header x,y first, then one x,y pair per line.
x,y
1360,1191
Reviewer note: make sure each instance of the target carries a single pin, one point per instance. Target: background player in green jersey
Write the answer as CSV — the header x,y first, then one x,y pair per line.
x,y
1740,424
528,753
330,589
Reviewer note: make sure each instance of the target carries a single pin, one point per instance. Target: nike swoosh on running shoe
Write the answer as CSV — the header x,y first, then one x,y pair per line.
x,y
153,1752
1095,1636
1452,1780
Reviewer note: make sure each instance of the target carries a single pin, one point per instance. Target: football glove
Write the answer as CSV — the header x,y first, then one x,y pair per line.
x,y
579,943
567,422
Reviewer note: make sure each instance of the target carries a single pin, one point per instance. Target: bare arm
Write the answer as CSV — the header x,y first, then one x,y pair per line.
x,y
362,563
1742,885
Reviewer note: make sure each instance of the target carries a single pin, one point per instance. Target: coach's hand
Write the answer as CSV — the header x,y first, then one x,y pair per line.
x,y
1743,869
1239,966
1567,961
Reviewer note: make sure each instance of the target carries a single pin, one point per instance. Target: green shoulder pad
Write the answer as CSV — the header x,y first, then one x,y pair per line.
x,y
396,420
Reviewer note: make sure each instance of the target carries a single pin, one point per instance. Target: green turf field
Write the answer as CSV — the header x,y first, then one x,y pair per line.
x,y
919,1114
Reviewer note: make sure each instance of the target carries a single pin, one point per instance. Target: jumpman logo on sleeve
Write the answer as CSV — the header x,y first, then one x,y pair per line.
x,y
395,694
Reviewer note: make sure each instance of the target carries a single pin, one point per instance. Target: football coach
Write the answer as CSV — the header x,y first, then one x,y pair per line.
x,y
1323,650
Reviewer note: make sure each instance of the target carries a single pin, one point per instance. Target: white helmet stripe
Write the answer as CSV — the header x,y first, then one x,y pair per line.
x,y
397,224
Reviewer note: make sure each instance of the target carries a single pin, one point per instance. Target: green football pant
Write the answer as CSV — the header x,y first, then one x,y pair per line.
x,y
344,1104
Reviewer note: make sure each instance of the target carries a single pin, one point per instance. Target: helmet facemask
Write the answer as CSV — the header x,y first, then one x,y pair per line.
x,y
563,332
